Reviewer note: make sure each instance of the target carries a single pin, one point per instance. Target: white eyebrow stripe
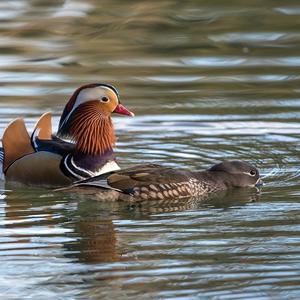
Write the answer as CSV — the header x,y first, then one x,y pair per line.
x,y
89,94
86,95
108,88
248,173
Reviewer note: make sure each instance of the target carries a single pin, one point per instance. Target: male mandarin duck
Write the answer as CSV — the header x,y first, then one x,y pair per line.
x,y
44,159
154,182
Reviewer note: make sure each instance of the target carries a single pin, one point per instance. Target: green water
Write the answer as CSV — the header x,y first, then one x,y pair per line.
x,y
208,81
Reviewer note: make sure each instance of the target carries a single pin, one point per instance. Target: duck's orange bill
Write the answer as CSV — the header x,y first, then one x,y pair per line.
x,y
122,110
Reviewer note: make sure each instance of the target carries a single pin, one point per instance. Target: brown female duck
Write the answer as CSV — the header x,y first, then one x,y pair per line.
x,y
155,182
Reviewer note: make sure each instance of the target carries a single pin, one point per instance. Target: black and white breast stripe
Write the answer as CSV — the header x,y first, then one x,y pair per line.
x,y
71,169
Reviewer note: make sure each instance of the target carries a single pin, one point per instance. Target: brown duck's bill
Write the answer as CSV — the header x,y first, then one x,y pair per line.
x,y
122,110
259,183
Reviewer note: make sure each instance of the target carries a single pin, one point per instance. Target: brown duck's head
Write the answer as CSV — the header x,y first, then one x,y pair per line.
x,y
240,173
86,118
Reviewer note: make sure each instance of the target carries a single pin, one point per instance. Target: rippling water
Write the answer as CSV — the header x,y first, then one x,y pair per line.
x,y
208,81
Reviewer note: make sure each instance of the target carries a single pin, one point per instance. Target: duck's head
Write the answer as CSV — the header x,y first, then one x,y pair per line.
x,y
86,118
241,174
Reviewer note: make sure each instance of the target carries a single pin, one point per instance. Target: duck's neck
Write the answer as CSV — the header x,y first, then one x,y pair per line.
x,y
94,163
92,130
94,146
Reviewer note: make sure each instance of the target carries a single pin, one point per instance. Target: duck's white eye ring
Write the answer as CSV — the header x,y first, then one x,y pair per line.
x,y
104,99
252,173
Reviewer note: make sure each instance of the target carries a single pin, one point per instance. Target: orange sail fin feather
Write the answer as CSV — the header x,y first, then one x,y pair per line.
x,y
43,127
16,142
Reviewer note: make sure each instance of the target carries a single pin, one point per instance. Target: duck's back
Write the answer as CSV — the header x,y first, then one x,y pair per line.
x,y
152,182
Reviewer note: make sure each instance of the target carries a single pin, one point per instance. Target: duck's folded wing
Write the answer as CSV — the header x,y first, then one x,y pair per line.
x,y
55,145
127,180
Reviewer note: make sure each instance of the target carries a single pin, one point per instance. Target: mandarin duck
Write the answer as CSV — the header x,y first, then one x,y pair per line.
x,y
155,182
44,159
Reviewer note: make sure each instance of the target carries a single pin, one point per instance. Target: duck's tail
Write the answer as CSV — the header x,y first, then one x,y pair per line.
x,y
1,163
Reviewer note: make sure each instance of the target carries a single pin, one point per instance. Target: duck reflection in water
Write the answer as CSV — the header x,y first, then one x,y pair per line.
x,y
96,241
223,199
89,233
77,229
97,234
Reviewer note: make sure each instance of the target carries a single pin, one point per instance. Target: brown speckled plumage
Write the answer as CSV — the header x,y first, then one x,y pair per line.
x,y
154,182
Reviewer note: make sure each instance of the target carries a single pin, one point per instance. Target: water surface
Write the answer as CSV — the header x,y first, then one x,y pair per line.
x,y
208,82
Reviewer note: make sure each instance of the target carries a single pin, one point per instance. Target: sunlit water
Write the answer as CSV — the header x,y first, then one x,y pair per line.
x,y
208,81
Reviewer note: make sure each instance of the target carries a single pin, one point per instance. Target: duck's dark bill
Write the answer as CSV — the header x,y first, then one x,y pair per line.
x,y
122,110
259,183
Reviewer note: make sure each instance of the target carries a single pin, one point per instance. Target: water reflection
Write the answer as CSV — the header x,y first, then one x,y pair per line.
x,y
96,241
221,200
90,234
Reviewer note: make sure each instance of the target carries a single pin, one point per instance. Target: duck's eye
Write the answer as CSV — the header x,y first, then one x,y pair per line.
x,y
252,172
104,99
